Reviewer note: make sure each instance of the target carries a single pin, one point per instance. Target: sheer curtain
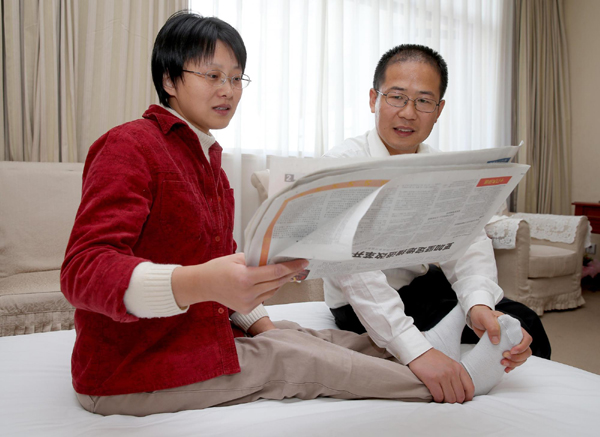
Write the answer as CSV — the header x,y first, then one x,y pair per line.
x,y
311,63
71,70
542,112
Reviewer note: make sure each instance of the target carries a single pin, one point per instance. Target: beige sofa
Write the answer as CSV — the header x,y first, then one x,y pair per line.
x,y
38,202
543,274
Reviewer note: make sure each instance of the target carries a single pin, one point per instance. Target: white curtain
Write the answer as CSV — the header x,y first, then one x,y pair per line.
x,y
311,63
73,69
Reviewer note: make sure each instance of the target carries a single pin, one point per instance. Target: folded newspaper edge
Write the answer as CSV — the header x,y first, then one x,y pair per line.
x,y
351,215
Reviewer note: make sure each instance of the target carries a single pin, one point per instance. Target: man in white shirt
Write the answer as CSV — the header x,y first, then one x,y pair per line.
x,y
407,99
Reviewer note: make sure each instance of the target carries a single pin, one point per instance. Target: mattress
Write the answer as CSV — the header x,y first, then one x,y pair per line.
x,y
541,398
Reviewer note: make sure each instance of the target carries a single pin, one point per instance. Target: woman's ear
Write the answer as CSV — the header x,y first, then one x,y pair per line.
x,y
168,86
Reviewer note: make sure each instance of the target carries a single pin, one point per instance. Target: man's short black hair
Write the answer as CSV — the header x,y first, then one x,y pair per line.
x,y
412,52
187,36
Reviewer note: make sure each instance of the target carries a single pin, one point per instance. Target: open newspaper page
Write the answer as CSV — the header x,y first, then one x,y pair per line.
x,y
375,214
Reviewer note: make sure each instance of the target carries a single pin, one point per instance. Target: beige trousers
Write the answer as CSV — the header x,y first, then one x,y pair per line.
x,y
288,362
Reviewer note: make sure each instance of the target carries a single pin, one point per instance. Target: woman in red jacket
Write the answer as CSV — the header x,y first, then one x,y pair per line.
x,y
167,314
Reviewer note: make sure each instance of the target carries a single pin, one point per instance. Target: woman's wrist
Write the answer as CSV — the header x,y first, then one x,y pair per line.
x,y
261,325
184,282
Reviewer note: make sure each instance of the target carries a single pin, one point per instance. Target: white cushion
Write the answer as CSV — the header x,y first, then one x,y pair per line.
x,y
552,261
38,203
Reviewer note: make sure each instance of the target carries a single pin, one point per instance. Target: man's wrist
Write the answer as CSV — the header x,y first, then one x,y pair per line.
x,y
409,345
468,313
417,357
479,305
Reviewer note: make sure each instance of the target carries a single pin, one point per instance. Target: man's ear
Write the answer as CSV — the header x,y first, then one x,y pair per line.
x,y
440,108
373,99
168,86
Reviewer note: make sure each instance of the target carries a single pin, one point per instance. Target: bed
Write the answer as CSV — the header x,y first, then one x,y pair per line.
x,y
542,398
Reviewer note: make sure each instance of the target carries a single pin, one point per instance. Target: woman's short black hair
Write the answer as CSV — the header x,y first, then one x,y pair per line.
x,y
187,36
412,52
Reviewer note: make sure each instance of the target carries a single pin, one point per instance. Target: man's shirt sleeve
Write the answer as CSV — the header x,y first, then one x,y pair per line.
x,y
381,311
474,276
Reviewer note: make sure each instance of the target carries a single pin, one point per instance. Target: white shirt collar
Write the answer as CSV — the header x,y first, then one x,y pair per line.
x,y
206,140
376,147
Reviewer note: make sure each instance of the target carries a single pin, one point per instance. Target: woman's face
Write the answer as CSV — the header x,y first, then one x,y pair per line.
x,y
199,102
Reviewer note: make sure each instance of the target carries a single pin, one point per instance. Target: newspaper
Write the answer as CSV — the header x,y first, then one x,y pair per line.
x,y
349,215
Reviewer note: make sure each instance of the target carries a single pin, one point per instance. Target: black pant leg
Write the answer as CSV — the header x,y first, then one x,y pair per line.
x,y
346,319
428,298
530,321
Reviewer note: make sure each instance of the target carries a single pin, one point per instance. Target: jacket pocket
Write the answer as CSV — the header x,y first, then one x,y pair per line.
x,y
184,213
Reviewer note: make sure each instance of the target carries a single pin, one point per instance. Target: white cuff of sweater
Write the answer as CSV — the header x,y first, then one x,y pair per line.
x,y
245,321
150,294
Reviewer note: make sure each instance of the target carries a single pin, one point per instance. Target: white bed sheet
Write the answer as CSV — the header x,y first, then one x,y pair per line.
x,y
541,398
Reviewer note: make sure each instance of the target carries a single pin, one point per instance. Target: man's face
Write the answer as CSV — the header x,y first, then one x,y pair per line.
x,y
205,106
403,129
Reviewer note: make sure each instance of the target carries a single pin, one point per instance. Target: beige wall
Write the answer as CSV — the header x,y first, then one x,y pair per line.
x,y
583,40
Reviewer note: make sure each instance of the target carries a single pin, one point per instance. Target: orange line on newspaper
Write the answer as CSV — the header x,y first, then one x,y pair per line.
x,y
487,182
266,246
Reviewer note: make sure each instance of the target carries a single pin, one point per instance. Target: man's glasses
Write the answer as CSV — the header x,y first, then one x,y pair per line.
x,y
218,78
400,100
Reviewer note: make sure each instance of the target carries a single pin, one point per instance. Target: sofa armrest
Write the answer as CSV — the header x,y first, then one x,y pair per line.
x,y
513,264
260,181
580,241
564,231
502,230
310,290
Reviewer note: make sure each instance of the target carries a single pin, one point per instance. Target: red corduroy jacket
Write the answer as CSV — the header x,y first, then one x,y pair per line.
x,y
149,194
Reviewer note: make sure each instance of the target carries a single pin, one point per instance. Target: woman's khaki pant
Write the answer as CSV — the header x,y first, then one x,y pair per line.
x,y
288,362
